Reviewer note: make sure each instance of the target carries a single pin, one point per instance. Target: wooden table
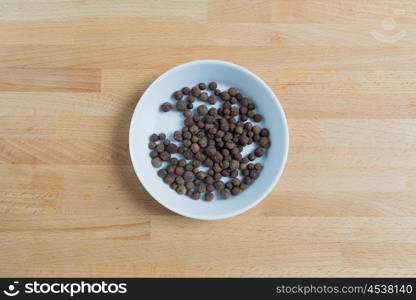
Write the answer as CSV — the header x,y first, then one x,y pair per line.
x,y
71,74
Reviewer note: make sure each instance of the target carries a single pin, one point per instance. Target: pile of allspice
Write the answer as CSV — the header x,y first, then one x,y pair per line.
x,y
206,154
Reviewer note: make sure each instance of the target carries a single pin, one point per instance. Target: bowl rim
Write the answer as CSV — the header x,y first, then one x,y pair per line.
x,y
266,192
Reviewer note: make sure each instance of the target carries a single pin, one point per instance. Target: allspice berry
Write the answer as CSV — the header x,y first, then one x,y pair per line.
x,y
212,86
156,162
181,105
225,194
209,196
167,106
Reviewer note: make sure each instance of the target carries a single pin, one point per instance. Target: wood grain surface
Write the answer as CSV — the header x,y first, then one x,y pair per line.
x,y
70,76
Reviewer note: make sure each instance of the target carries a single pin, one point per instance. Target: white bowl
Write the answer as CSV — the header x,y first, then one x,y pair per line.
x,y
148,119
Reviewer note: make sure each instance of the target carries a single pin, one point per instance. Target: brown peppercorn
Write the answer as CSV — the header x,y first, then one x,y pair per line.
x,y
217,168
186,135
203,96
189,167
152,145
154,137
225,194
195,91
170,169
179,171
212,85
217,176
225,173
193,129
243,186
209,196
234,164
179,180
210,188
202,86
156,162
172,148
196,163
212,100
186,90
236,182
166,107
173,161
188,122
200,175
209,180
253,174
181,105
162,173
232,91
178,95
258,118
212,111
191,99
234,173
258,167
188,154
225,96
189,185
259,152
219,185
181,190
187,143
208,163
173,186
235,190
188,176
165,156
196,195
195,148
202,109
264,132
201,188
169,179
264,142
177,135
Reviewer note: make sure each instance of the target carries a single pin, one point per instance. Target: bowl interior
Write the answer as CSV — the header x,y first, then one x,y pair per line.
x,y
148,119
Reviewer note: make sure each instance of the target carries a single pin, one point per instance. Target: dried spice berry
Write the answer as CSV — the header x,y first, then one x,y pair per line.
x,y
195,91
225,194
154,137
202,86
181,105
209,196
178,95
212,86
166,107
186,90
